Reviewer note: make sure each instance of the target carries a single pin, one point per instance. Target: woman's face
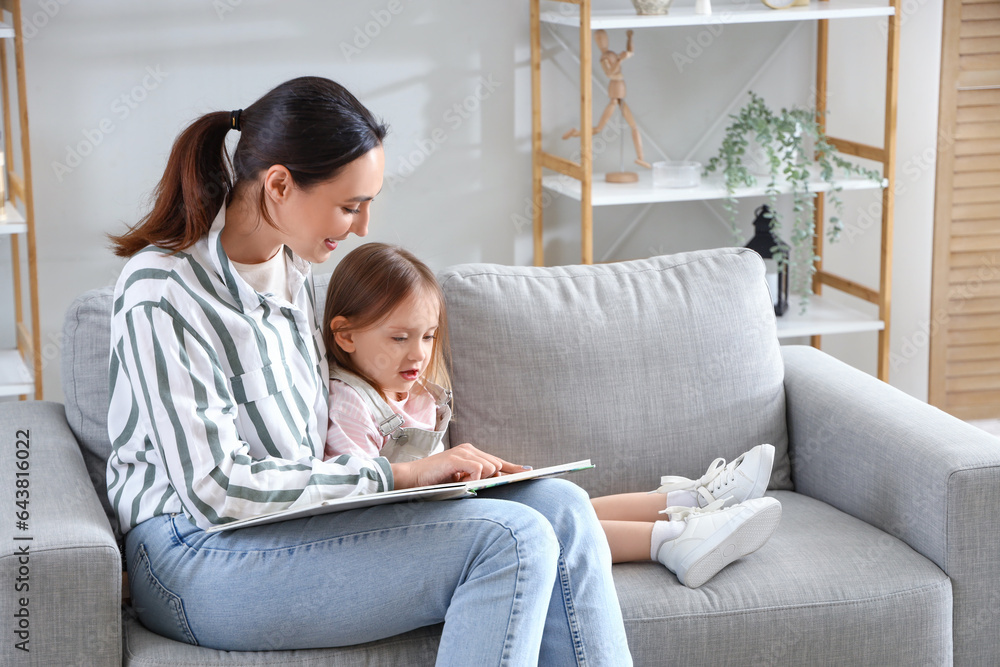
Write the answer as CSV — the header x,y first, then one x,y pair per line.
x,y
313,220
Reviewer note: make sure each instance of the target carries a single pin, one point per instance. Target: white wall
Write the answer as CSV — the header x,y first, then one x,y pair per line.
x,y
118,80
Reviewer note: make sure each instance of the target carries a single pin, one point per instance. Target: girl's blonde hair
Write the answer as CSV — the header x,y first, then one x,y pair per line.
x,y
368,283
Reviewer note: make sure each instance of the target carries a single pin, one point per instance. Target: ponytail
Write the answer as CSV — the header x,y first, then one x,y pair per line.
x,y
193,189
312,126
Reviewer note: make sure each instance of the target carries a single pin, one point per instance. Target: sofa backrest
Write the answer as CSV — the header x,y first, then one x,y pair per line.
x,y
647,367
85,356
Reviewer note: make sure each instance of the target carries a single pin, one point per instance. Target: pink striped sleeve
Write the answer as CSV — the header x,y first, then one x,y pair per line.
x,y
352,428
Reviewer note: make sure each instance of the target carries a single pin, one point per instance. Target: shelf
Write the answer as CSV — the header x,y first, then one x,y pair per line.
x,y
11,220
643,192
19,376
750,11
823,317
15,378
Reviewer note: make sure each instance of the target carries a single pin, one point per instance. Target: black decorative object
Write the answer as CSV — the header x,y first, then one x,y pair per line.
x,y
775,254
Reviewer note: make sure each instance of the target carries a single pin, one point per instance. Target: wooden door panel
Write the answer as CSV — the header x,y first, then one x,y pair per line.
x,y
965,295
980,29
973,353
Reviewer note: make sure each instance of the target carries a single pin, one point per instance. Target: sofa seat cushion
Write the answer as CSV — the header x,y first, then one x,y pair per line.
x,y
649,367
827,589
142,648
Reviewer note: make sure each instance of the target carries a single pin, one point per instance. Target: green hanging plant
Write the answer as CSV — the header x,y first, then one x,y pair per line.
x,y
783,155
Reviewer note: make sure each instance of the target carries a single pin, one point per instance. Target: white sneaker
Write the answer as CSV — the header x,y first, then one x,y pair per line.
x,y
744,478
714,538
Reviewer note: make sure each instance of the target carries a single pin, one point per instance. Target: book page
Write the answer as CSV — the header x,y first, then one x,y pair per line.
x,y
446,491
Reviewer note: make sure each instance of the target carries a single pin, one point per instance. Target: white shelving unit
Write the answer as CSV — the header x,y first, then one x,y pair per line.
x,y
577,181
722,13
644,192
21,367
11,220
15,377
824,317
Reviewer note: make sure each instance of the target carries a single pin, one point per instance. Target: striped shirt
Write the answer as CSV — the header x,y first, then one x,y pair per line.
x,y
219,393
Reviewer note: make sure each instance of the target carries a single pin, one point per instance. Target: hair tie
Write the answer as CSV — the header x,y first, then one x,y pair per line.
x,y
234,119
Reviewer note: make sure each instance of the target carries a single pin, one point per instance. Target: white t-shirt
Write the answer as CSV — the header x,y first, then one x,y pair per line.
x,y
267,277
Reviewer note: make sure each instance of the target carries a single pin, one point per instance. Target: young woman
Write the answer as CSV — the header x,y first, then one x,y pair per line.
x,y
385,329
219,412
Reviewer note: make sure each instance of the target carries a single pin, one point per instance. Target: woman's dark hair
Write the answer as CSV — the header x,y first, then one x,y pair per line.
x,y
367,284
312,126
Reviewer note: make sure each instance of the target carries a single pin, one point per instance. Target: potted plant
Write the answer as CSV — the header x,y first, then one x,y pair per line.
x,y
777,146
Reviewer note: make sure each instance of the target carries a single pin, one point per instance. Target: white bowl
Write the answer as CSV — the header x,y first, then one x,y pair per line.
x,y
651,6
676,174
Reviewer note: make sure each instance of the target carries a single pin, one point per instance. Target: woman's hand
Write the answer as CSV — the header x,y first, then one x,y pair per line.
x,y
458,464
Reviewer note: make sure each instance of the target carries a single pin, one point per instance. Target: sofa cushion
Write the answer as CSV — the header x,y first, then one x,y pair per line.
x,y
142,648
673,359
85,356
827,589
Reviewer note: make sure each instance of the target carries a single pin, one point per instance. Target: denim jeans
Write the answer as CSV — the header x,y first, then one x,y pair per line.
x,y
520,575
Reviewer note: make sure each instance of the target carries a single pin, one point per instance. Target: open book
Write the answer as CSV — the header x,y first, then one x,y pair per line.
x,y
446,491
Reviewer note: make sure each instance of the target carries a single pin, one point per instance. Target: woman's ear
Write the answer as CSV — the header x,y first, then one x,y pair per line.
x,y
343,339
277,183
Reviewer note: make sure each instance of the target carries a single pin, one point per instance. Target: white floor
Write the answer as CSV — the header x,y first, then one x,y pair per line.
x,y
988,425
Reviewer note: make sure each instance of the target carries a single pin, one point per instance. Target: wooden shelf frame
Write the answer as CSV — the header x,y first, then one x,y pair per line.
x,y
886,155
20,190
820,11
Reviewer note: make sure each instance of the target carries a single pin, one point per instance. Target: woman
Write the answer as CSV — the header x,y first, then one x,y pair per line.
x,y
219,408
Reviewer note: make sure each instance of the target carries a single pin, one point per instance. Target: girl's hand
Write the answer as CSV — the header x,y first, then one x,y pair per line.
x,y
458,464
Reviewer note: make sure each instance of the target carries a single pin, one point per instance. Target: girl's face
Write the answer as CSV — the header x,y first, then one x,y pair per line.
x,y
395,352
315,219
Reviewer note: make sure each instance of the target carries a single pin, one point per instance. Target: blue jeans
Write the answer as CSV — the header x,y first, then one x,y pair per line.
x,y
520,575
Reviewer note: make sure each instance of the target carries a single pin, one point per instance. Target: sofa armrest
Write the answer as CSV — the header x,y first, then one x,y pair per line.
x,y
909,469
61,568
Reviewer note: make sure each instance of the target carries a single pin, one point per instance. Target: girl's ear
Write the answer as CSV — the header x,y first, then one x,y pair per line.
x,y
343,339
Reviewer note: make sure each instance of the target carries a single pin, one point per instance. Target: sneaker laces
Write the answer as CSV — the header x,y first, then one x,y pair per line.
x,y
680,513
718,474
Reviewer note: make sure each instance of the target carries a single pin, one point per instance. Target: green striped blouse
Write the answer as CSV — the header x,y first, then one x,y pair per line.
x,y
219,394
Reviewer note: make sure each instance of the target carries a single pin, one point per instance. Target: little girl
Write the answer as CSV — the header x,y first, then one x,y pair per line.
x,y
386,339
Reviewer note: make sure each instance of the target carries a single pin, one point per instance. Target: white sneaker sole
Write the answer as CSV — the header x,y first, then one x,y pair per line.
x,y
745,539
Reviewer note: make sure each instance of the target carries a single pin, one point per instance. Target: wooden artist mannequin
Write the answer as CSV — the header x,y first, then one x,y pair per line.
x,y
611,63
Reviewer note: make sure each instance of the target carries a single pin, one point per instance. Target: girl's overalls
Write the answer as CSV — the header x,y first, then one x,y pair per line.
x,y
404,443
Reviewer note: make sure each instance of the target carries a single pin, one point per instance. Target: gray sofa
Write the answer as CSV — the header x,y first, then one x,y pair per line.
x,y
888,551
